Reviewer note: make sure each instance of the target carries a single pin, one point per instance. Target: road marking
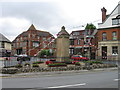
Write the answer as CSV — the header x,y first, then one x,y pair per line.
x,y
68,85
116,79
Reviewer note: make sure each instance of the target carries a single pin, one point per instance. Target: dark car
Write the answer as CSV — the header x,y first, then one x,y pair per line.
x,y
79,57
23,58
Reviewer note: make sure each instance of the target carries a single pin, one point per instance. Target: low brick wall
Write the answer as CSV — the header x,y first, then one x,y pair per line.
x,y
52,69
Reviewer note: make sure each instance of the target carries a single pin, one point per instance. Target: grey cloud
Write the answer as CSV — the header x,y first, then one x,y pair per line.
x,y
40,13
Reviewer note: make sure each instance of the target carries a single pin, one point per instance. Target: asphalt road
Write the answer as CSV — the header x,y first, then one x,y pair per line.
x,y
101,79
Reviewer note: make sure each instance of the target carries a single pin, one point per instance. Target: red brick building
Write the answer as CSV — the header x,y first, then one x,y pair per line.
x,y
109,35
83,42
32,41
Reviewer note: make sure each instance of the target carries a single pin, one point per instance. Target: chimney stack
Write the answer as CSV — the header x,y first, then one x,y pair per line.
x,y
103,14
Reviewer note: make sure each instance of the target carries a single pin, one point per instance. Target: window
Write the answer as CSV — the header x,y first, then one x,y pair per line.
x,y
25,38
72,42
78,41
2,45
114,50
17,45
71,51
21,44
14,45
83,32
44,38
29,35
35,44
114,35
38,37
17,39
76,33
49,39
104,36
24,51
20,38
33,35
119,21
116,21
44,45
24,44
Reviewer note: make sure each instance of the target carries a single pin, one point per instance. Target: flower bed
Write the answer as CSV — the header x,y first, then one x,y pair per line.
x,y
38,62
35,65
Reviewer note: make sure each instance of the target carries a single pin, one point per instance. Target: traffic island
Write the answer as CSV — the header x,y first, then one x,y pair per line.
x,y
54,67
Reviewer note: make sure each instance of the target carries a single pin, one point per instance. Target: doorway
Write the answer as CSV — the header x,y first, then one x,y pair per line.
x,y
104,52
19,51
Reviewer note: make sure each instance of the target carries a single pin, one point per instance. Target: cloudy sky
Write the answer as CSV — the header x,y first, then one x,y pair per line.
x,y
16,16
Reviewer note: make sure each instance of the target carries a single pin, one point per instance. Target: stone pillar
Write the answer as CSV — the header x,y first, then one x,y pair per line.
x,y
62,45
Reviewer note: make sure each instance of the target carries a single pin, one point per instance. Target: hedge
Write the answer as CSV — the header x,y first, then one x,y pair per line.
x,y
35,65
57,64
94,62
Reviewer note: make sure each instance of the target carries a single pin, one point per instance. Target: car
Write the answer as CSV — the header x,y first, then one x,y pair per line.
x,y
23,58
79,57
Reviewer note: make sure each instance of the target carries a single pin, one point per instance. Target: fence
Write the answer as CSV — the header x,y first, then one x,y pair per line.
x,y
12,61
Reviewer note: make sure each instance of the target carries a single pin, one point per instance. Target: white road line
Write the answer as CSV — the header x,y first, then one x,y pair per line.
x,y
68,85
116,79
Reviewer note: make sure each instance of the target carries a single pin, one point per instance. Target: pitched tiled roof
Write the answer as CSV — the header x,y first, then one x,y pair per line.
x,y
63,32
3,38
34,30
32,27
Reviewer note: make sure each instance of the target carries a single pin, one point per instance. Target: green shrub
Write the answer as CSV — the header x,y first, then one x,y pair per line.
x,y
77,63
27,64
35,65
18,66
94,62
57,64
68,61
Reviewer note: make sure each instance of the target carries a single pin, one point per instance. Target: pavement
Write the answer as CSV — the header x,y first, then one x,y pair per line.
x,y
32,74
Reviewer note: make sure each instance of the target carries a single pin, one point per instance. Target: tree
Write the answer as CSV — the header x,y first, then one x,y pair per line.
x,y
47,52
44,52
90,26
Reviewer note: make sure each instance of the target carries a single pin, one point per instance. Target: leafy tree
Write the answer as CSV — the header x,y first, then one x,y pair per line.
x,y
47,52
44,52
90,26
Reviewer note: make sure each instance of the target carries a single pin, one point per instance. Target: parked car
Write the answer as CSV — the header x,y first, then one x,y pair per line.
x,y
79,57
23,58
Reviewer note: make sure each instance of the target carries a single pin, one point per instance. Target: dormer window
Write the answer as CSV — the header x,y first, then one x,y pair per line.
x,y
116,21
